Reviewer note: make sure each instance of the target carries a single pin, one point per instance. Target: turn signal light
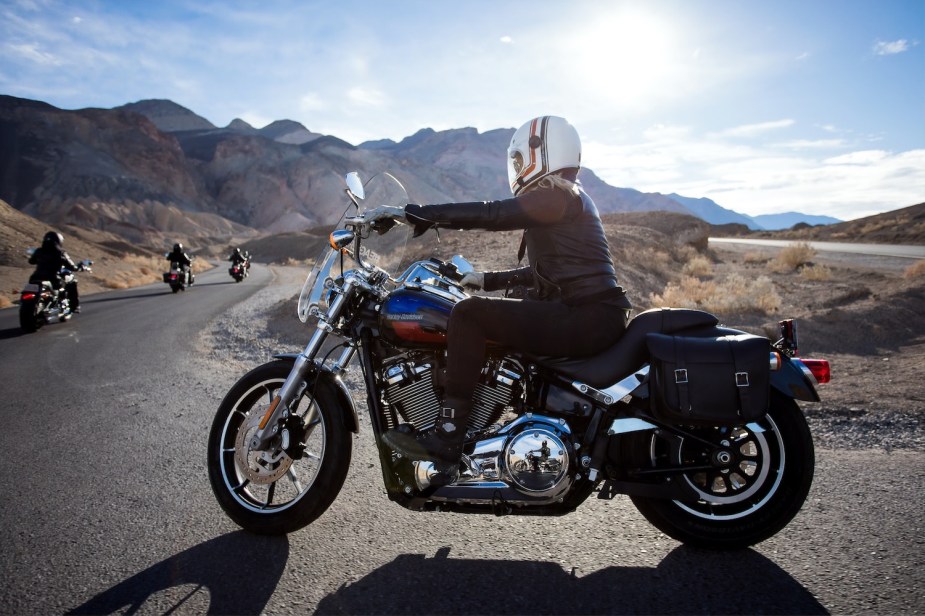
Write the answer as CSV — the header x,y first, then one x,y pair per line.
x,y
819,368
775,361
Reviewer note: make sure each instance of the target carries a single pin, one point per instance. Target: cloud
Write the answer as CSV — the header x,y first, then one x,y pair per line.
x,y
312,102
889,48
34,54
810,144
506,39
810,175
366,97
864,157
753,130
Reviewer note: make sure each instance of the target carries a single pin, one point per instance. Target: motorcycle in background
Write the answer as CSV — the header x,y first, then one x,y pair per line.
x,y
43,300
239,271
179,278
696,422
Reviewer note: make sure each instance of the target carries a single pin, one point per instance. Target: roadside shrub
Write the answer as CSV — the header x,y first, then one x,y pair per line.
x,y
734,294
698,266
5,302
792,257
816,273
755,258
916,270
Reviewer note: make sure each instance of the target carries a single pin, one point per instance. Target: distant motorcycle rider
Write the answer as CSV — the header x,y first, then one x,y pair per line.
x,y
238,257
576,306
182,260
48,261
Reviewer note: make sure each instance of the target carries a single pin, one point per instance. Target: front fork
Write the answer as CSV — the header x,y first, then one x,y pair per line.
x,y
295,383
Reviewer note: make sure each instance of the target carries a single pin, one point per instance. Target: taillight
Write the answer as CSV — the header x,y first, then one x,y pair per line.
x,y
28,296
819,368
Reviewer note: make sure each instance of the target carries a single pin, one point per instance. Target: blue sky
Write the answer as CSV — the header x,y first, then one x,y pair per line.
x,y
813,105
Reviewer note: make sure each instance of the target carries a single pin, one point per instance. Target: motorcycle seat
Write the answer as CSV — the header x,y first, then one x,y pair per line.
x,y
630,351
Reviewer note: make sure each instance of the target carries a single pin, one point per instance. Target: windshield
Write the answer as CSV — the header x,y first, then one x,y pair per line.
x,y
385,251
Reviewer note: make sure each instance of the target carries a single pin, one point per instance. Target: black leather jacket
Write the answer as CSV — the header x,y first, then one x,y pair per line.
x,y
569,257
180,258
48,261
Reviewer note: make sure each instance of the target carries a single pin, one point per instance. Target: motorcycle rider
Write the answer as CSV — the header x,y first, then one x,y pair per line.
x,y
238,257
576,306
182,260
48,261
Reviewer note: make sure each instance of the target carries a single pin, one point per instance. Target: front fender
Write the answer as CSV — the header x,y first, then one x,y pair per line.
x,y
794,380
329,379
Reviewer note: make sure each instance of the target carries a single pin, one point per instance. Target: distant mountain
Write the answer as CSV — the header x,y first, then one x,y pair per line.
x,y
154,168
288,131
774,222
902,226
713,213
167,115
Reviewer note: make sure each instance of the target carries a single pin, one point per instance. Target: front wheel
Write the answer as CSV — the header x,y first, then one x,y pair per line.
x,y
744,501
296,479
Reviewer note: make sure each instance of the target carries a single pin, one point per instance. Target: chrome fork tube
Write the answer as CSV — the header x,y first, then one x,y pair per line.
x,y
293,386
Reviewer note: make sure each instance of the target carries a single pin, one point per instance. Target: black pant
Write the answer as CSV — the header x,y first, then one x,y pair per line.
x,y
71,290
536,327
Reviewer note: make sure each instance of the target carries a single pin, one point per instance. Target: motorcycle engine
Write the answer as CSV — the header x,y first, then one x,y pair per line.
x,y
410,390
529,453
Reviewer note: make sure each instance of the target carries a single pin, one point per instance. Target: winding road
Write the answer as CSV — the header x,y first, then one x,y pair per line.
x,y
106,506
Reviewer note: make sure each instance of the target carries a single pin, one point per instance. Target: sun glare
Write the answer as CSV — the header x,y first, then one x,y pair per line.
x,y
626,54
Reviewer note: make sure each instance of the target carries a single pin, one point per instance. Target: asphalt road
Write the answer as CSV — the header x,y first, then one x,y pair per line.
x,y
905,251
107,507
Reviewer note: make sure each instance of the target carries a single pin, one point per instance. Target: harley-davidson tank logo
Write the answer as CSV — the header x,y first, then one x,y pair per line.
x,y
405,316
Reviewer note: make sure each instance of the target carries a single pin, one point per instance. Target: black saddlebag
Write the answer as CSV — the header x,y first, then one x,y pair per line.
x,y
709,380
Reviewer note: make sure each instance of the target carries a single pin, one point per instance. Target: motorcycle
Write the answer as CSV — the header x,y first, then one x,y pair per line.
x,y
178,277
239,271
544,433
40,301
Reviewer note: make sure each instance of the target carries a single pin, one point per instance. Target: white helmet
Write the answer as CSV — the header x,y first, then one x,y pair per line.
x,y
540,147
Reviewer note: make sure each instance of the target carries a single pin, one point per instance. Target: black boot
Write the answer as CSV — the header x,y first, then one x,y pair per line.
x,y
441,444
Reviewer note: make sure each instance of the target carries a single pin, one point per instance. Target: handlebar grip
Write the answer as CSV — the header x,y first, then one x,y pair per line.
x,y
383,226
450,271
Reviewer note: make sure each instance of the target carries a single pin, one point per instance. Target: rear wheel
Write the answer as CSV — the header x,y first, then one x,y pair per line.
x,y
30,316
759,477
296,479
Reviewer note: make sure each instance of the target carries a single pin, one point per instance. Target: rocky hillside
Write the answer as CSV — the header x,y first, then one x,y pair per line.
x,y
903,226
154,169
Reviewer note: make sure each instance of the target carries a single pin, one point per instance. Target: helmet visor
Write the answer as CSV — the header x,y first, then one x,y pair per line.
x,y
517,161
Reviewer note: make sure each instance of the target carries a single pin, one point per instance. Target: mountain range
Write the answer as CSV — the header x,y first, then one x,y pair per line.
x,y
154,172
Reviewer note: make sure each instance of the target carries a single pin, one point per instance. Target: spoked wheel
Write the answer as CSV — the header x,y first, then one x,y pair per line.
x,y
30,317
758,478
296,479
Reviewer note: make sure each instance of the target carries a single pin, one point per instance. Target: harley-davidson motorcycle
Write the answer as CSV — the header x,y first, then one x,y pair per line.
x,y
697,423
239,271
40,301
179,278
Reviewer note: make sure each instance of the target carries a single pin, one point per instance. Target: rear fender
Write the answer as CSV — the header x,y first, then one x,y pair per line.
x,y
794,380
329,379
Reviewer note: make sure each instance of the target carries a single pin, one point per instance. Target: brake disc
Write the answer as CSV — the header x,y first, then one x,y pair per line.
x,y
261,467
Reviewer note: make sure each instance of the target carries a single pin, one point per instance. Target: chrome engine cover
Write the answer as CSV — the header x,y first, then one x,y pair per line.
x,y
536,461
528,460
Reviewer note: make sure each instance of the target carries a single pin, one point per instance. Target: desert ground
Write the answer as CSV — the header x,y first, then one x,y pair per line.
x,y
862,314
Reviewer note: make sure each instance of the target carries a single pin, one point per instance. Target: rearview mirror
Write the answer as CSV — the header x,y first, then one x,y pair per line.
x,y
355,185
